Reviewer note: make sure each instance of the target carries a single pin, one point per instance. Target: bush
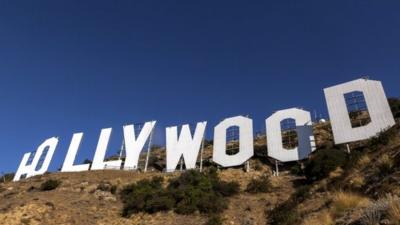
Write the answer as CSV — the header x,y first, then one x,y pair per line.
x,y
190,192
49,185
146,196
395,106
113,189
284,214
385,165
30,189
302,193
323,162
7,177
196,191
259,185
226,189
261,151
296,170
214,220
258,166
107,187
344,201
387,207
383,138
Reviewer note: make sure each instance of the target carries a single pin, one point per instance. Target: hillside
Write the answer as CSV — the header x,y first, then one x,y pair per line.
x,y
332,187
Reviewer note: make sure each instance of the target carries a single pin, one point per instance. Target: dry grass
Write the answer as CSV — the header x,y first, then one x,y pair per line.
x,y
385,164
385,160
322,218
387,207
363,162
338,172
357,181
394,211
342,203
345,201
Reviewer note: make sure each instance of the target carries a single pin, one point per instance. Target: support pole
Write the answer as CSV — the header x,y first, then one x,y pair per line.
x,y
148,150
247,166
201,154
181,162
348,148
122,149
315,116
276,168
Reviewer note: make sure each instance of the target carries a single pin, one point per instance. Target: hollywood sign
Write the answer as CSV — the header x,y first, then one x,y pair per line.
x,y
187,145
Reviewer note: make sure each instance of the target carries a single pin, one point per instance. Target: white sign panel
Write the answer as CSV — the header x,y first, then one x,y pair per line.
x,y
306,143
246,147
98,160
186,146
68,165
30,170
134,146
378,107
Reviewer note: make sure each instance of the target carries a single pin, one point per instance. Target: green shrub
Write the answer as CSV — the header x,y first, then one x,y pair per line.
x,y
49,185
258,166
113,189
7,177
107,187
226,189
260,151
284,214
382,138
296,170
323,162
194,191
103,187
212,203
259,185
302,193
214,220
30,189
146,196
395,106
190,192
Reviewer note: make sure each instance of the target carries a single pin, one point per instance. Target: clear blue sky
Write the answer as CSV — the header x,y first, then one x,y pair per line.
x,y
69,66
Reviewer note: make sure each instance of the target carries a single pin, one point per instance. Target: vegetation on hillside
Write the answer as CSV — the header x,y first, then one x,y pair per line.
x,y
356,188
395,106
50,184
7,177
191,192
259,185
